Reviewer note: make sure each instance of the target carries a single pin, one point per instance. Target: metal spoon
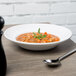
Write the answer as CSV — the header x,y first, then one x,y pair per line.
x,y
56,62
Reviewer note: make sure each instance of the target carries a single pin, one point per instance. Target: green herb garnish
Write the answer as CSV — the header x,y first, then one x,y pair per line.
x,y
34,35
40,36
44,36
39,30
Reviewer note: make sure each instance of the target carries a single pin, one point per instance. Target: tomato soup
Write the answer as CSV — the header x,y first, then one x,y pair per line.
x,y
37,37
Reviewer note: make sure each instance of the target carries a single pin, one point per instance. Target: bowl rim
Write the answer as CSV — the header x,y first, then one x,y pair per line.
x,y
38,43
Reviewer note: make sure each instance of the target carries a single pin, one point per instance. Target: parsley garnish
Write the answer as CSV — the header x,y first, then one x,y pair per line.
x,y
40,36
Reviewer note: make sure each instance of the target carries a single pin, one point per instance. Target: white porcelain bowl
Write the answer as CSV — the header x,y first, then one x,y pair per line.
x,y
62,32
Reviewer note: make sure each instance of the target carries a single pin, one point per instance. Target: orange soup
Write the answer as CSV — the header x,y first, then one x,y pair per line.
x,y
37,37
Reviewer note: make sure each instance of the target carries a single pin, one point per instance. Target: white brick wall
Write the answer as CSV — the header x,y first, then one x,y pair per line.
x,y
4,1
55,19
55,11
61,12
71,18
31,8
6,9
65,7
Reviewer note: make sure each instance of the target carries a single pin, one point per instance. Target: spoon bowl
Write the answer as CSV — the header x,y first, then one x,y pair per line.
x,y
54,62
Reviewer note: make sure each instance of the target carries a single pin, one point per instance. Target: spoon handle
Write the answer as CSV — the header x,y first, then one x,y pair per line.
x,y
66,55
